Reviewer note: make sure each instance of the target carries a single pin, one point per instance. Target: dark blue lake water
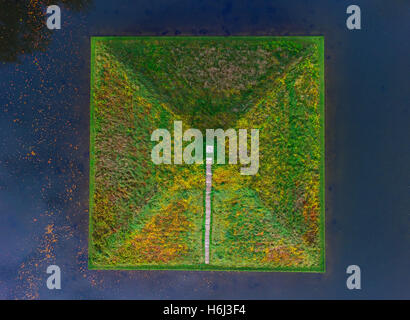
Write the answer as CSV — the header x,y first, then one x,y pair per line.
x,y
44,141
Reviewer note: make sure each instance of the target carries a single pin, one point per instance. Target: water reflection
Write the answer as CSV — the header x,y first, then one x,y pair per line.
x,y
23,25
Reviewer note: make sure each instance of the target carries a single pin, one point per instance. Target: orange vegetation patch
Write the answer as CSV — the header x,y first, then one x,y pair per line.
x,y
161,240
284,255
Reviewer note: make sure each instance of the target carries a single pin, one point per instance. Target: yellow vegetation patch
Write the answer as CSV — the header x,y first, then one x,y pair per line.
x,y
161,239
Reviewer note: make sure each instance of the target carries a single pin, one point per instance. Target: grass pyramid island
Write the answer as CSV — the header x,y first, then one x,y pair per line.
x,y
207,216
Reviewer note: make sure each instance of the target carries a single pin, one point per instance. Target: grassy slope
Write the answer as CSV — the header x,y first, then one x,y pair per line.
x,y
272,219
269,220
211,82
125,114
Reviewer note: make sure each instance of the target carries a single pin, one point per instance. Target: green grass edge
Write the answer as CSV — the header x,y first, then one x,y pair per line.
x,y
321,43
91,153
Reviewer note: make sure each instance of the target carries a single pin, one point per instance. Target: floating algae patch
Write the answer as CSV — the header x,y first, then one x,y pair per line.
x,y
171,216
